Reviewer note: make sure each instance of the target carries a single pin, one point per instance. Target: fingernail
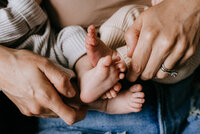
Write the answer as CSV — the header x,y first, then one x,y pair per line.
x,y
70,93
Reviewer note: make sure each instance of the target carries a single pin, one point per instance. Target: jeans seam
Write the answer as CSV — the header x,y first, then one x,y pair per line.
x,y
161,122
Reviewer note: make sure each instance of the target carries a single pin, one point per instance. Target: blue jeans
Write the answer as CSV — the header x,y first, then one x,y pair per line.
x,y
165,110
193,121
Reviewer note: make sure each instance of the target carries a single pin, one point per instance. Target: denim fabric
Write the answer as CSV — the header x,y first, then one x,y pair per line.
x,y
144,122
165,110
193,121
193,125
174,105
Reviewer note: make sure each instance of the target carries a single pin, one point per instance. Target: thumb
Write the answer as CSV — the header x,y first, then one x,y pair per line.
x,y
132,35
59,78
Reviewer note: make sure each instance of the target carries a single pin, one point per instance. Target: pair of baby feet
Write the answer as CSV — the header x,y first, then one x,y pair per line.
x,y
102,80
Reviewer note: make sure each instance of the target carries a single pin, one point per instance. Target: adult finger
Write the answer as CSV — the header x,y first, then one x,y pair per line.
x,y
58,78
190,52
173,58
132,35
47,116
161,48
65,112
48,97
68,114
192,49
193,34
141,53
81,113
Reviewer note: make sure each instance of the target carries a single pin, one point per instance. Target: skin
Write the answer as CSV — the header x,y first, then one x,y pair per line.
x,y
39,1
96,49
32,83
166,33
35,85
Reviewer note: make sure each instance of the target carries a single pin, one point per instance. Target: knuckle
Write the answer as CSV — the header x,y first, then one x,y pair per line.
x,y
192,50
147,75
36,110
136,68
62,80
150,34
165,42
44,96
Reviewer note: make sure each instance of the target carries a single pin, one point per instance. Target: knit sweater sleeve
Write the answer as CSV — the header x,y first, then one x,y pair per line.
x,y
18,18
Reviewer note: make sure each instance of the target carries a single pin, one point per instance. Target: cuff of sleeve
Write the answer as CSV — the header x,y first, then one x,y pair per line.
x,y
123,54
72,41
30,11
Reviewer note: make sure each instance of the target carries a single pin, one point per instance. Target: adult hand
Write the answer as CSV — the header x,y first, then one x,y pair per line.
x,y
32,82
167,33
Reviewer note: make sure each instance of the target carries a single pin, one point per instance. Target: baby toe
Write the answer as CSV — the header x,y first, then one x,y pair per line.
x,y
136,88
121,67
138,95
113,93
135,105
138,100
108,94
135,109
104,97
121,76
117,87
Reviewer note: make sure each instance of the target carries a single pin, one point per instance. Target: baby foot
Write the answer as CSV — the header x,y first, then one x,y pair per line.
x,y
98,80
112,92
96,49
127,101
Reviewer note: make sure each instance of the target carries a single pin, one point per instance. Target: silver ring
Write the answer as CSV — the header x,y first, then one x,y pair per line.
x,y
171,72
